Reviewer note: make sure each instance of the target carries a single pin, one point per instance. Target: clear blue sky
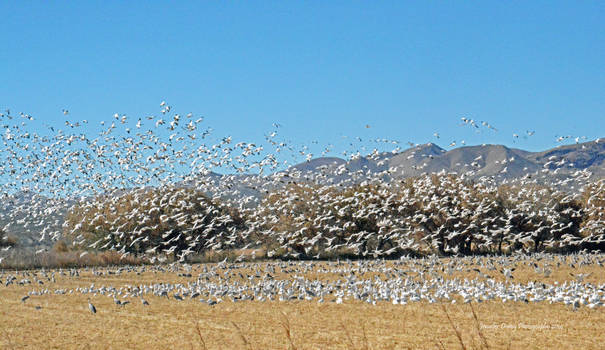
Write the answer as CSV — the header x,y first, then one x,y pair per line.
x,y
322,69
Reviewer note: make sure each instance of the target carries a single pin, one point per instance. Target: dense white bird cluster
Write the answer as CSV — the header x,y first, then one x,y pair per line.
x,y
148,186
430,214
375,281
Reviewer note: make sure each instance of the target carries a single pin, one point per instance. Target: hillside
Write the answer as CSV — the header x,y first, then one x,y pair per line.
x,y
498,162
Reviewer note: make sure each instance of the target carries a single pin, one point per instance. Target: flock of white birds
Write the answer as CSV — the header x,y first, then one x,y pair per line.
x,y
147,186
403,281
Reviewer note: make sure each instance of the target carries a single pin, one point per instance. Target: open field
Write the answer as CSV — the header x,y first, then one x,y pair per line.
x,y
339,305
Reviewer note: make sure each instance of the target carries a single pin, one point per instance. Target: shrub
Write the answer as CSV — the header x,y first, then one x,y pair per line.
x,y
152,221
7,240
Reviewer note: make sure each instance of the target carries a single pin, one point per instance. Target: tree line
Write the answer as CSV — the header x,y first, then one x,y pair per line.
x,y
430,214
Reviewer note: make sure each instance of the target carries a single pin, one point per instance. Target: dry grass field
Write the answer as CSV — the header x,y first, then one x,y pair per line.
x,y
63,321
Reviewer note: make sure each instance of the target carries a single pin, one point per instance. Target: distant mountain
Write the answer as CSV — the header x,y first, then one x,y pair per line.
x,y
495,162
499,162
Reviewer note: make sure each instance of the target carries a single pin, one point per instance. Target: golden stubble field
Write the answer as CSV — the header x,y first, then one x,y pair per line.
x,y
53,321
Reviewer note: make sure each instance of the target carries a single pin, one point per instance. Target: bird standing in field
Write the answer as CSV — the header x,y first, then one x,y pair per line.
x,y
91,307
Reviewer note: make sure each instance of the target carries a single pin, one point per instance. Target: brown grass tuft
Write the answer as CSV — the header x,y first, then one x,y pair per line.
x,y
350,344
242,336
199,333
456,331
366,345
484,342
285,323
